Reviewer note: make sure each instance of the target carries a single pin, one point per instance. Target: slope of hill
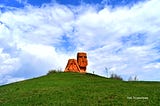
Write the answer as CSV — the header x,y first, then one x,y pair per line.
x,y
74,89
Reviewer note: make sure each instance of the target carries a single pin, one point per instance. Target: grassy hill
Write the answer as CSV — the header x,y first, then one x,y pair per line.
x,y
74,89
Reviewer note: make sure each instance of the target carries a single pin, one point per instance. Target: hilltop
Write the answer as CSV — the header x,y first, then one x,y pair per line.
x,y
75,89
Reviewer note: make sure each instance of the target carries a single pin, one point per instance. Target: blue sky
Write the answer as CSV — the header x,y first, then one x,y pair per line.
x,y
40,35
113,3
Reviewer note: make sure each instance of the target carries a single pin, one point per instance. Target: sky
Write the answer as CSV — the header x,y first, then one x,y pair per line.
x,y
40,35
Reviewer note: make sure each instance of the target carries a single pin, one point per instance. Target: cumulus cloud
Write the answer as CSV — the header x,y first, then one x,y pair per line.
x,y
122,38
8,65
30,36
34,40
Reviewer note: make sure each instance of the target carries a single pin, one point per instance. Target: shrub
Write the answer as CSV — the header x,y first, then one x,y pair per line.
x,y
117,77
54,71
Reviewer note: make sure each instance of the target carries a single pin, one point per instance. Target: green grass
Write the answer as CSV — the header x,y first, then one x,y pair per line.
x,y
74,89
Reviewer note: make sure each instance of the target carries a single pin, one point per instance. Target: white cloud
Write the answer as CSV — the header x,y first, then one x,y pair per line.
x,y
100,32
31,34
32,39
7,63
152,66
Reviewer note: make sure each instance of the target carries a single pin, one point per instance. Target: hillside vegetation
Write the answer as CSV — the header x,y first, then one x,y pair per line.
x,y
74,89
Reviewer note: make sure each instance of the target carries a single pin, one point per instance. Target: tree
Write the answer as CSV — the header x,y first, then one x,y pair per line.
x,y
133,78
115,76
107,71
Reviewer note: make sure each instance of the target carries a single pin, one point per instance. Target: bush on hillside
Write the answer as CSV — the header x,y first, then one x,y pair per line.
x,y
54,71
117,77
